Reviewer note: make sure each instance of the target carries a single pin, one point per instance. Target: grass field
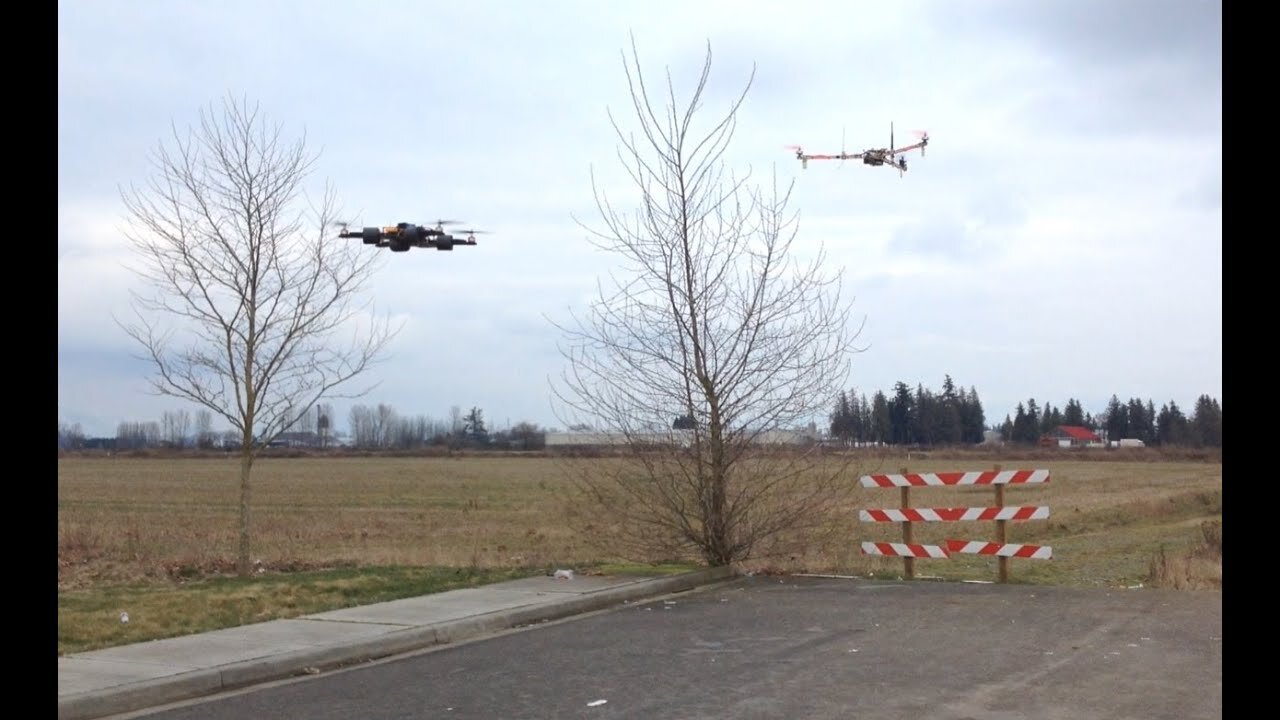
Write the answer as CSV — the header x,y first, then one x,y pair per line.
x,y
157,536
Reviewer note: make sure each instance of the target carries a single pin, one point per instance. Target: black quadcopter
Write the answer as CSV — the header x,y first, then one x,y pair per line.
x,y
402,236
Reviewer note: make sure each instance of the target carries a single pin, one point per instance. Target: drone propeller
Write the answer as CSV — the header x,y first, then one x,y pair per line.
x,y
471,235
924,139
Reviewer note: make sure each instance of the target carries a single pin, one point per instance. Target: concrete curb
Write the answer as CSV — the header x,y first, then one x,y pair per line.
x,y
198,683
188,685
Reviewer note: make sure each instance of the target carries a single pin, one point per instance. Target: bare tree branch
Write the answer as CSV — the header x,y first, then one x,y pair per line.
x,y
264,306
711,317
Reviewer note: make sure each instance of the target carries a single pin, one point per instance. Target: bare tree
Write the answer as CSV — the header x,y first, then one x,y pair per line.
x,y
306,424
259,292
175,424
528,436
385,422
205,437
360,424
70,437
713,320
137,435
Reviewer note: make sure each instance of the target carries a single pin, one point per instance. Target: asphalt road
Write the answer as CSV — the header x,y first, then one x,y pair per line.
x,y
769,647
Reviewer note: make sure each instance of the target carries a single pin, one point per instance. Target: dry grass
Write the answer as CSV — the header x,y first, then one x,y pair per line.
x,y
129,520
158,535
143,519
1198,568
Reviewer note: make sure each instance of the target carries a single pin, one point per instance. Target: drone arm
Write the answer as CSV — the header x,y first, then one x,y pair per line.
x,y
924,140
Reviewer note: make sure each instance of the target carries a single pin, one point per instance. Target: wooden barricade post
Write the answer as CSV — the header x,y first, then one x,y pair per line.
x,y
1001,538
908,562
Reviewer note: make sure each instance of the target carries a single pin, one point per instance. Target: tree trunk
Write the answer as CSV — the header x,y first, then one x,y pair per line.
x,y
243,567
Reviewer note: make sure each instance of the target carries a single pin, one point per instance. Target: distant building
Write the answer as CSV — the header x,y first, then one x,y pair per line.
x,y
1073,436
583,439
673,437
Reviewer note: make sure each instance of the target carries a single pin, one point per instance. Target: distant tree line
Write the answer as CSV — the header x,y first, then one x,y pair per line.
x,y
383,427
951,416
371,427
1030,423
955,415
910,417
1122,420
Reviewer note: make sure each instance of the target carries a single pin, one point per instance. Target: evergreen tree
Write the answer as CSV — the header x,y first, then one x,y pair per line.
x,y
1140,426
924,419
881,419
1006,430
1172,427
473,427
948,389
1206,422
1116,420
948,426
1024,426
1050,419
1074,414
1026,423
864,427
901,414
840,425
973,418
964,412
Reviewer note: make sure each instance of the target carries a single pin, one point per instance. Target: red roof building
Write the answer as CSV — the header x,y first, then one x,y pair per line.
x,y
1074,436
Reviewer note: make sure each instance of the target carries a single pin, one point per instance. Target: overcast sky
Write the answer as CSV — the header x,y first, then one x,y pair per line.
x,y
1060,239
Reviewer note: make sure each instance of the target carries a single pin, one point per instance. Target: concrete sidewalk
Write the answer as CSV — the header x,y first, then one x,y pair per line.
x,y
144,675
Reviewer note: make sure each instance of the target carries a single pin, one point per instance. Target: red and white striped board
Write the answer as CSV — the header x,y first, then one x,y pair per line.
x,y
974,547
984,477
953,514
903,550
